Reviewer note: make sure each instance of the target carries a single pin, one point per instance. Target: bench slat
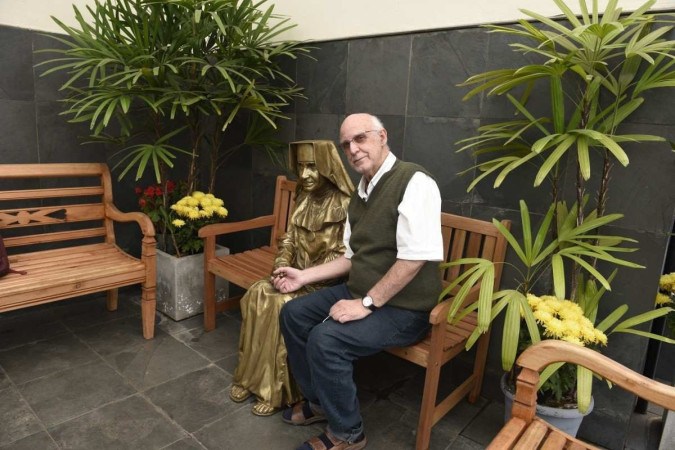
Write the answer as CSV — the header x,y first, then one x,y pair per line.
x,y
31,194
73,259
54,237
65,272
30,217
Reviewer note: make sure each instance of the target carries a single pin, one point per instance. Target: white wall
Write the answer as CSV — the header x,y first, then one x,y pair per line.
x,y
329,19
36,14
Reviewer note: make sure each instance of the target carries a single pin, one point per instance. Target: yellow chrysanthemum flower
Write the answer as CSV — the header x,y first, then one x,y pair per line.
x,y
565,320
197,195
667,282
600,337
662,299
222,212
178,223
193,214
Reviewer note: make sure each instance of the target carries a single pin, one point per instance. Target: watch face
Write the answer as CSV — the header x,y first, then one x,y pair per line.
x,y
367,301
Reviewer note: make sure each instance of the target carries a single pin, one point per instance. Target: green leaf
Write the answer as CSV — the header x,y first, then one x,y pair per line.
x,y
612,318
584,386
553,159
590,269
511,332
558,270
583,157
642,318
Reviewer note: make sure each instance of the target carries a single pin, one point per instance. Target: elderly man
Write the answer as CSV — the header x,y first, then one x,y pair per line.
x,y
393,240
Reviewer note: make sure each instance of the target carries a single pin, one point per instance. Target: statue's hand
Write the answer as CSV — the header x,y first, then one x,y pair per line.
x,y
287,279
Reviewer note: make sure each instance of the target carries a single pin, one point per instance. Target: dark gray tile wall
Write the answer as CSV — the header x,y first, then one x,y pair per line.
x,y
410,81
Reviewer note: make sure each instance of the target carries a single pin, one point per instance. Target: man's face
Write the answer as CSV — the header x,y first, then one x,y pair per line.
x,y
364,146
308,173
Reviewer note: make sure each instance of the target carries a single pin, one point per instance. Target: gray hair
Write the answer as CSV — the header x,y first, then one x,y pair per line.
x,y
377,123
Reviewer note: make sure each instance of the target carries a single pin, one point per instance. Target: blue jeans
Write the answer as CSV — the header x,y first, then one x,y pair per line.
x,y
321,354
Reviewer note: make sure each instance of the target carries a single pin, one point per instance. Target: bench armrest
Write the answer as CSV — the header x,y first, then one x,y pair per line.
x,y
440,312
536,357
233,227
147,227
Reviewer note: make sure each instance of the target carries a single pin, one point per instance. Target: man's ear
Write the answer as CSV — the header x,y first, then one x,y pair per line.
x,y
384,136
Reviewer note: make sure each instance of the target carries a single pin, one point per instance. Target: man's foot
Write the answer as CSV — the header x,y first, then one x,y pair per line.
x,y
239,393
327,441
301,414
263,409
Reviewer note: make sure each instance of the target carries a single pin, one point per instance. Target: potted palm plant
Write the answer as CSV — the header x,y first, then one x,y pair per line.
x,y
162,80
596,69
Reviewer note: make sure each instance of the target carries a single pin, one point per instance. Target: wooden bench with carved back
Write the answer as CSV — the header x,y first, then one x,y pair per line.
x,y
527,431
57,225
463,237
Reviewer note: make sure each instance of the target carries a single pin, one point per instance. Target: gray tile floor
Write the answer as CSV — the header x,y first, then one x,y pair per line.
x,y
75,376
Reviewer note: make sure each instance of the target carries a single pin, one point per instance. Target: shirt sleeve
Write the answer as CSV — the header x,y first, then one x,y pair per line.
x,y
418,233
347,233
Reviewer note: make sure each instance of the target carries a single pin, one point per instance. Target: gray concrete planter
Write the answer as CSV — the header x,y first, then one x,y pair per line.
x,y
180,284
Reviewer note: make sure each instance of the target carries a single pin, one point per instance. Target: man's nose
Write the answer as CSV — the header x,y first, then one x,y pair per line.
x,y
353,148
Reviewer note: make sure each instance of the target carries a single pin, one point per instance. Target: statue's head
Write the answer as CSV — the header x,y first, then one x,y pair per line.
x,y
308,173
317,163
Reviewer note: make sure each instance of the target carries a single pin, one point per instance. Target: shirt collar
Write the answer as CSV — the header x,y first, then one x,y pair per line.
x,y
384,168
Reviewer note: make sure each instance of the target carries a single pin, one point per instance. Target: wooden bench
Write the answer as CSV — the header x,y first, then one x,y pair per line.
x,y
462,238
57,224
525,430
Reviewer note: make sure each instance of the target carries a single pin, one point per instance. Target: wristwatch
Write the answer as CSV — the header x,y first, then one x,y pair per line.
x,y
367,302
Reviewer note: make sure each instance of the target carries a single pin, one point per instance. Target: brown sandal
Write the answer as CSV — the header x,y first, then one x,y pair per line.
x,y
327,441
301,414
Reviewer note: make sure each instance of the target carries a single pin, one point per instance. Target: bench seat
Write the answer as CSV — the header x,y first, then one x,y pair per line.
x,y
77,270
244,269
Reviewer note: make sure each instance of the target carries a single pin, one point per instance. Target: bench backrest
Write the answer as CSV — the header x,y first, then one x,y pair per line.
x,y
52,204
284,204
464,237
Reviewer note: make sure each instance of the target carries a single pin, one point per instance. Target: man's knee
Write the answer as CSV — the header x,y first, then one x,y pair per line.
x,y
321,342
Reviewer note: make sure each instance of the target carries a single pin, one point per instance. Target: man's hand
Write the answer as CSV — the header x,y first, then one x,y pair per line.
x,y
287,279
348,310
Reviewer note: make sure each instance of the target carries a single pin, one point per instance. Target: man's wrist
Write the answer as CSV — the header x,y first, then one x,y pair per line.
x,y
367,302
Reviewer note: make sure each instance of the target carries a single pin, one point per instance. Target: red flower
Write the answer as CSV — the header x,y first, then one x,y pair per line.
x,y
158,191
138,190
170,186
149,191
141,202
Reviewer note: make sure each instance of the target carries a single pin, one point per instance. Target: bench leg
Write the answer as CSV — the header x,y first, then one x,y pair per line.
x,y
111,300
148,304
209,301
433,372
479,366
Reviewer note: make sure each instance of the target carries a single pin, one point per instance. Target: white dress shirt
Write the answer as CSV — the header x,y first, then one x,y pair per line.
x,y
418,231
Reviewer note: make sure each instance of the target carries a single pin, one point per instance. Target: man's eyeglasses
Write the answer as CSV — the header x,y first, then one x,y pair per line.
x,y
358,139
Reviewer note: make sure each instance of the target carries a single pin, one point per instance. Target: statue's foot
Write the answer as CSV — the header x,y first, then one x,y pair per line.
x,y
239,393
263,409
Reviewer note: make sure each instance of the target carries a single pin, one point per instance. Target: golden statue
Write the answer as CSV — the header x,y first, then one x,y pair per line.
x,y
314,237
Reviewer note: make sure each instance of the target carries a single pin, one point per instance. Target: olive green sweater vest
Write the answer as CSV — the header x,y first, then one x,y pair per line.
x,y
373,241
